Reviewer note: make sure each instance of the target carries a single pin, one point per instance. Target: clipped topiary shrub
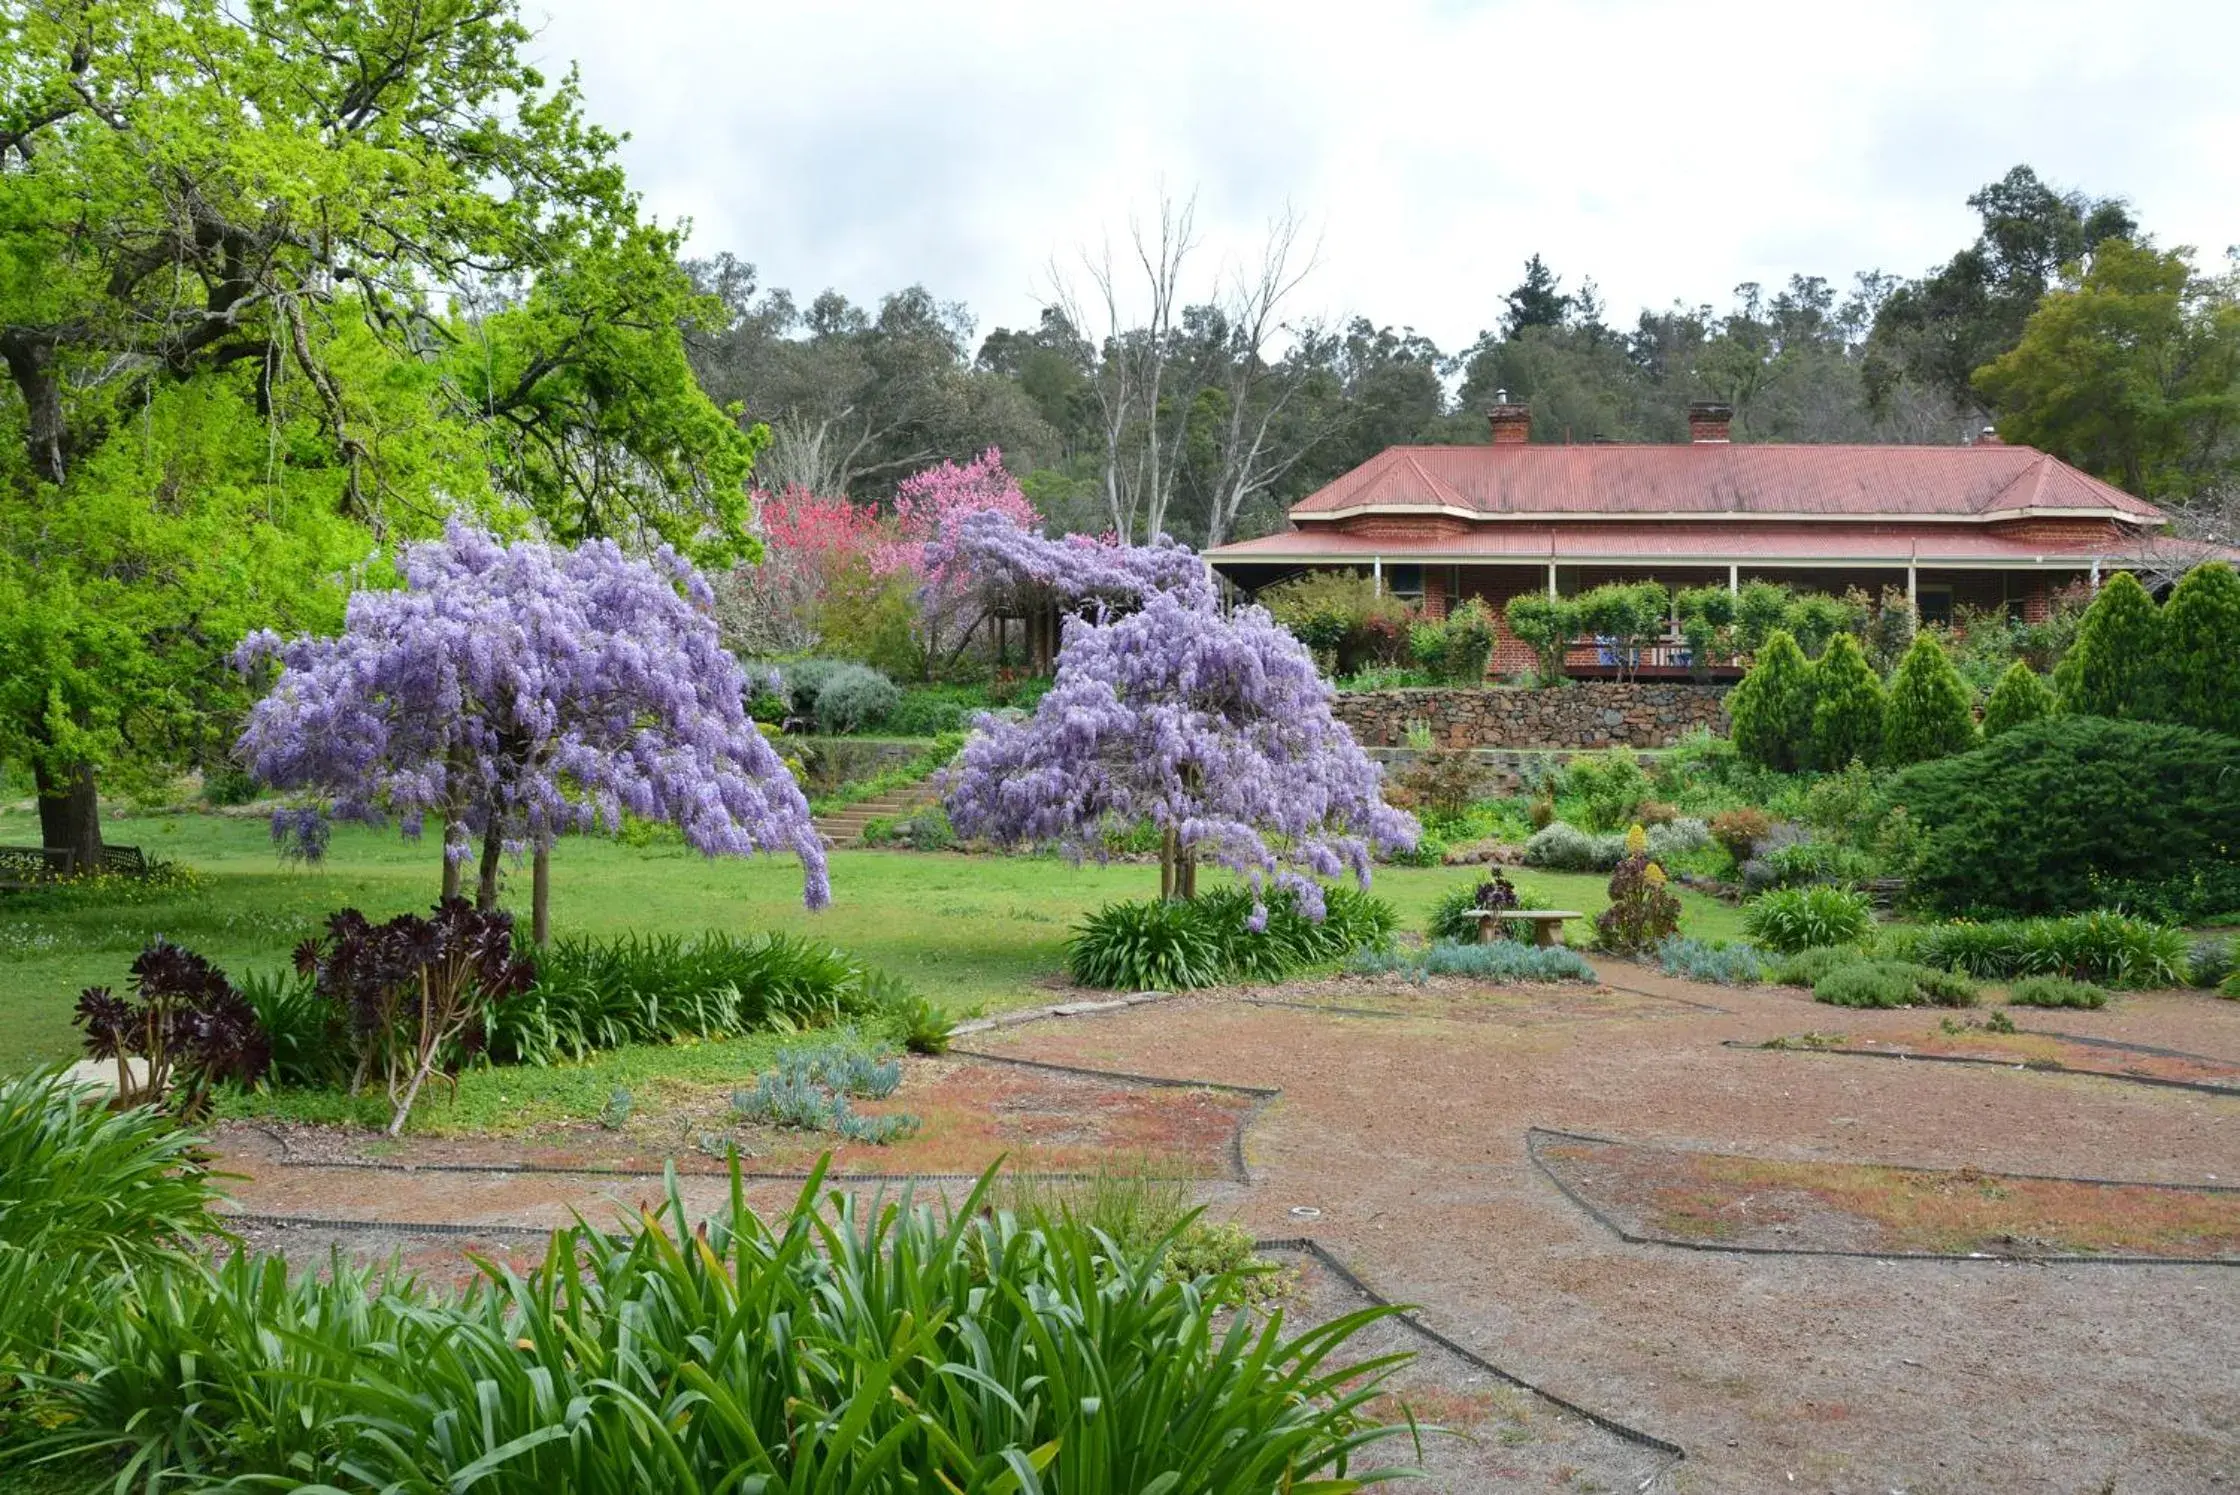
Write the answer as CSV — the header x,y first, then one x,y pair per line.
x,y
1772,708
2020,697
2026,823
1931,711
2201,628
1792,919
2055,991
2115,668
1847,706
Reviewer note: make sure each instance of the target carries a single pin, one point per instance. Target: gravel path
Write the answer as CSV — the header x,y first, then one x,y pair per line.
x,y
1404,1135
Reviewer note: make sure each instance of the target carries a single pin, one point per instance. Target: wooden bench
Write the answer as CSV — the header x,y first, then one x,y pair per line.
x,y
32,866
1547,923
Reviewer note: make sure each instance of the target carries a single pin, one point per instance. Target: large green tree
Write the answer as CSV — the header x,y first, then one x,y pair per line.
x,y
279,280
2131,371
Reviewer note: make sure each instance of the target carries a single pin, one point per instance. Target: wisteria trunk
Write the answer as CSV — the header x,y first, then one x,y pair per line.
x,y
540,897
1178,868
70,818
486,881
450,868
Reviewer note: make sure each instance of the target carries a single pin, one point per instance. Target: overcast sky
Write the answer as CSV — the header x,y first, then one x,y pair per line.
x,y
1669,150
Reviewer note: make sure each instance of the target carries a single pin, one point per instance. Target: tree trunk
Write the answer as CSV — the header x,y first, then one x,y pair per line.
x,y
31,365
1178,868
1166,864
450,867
486,884
70,818
540,897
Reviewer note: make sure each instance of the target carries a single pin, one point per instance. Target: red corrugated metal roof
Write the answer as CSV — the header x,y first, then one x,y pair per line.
x,y
1763,542
1716,478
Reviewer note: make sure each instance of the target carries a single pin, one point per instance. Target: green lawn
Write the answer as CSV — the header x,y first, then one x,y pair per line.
x,y
966,930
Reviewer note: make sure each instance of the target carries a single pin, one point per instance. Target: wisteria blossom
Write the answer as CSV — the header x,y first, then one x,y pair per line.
x,y
515,692
1017,569
1216,729
929,506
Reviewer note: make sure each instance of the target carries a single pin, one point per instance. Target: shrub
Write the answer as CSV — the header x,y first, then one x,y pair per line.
x,y
1805,863
1643,910
1806,967
2027,822
803,678
2201,627
1500,961
1931,711
1847,706
1892,983
2199,894
1791,919
1707,623
593,994
1610,784
1818,619
86,1194
1342,617
1155,945
1719,964
1761,609
1565,848
781,1341
1455,650
931,710
855,698
1628,616
1676,838
2115,668
2020,697
1441,779
2108,948
2055,991
1772,707
2210,961
1546,625
1740,831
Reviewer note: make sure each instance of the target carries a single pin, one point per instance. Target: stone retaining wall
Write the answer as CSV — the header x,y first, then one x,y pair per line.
x,y
1590,714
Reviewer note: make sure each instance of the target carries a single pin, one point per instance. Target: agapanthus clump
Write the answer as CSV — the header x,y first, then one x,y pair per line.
x,y
515,692
1216,730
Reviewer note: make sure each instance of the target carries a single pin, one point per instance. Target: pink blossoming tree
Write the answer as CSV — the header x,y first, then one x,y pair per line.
x,y
931,507
1217,730
517,692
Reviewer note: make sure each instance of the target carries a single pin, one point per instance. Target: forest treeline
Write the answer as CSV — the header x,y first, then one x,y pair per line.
x,y
2062,321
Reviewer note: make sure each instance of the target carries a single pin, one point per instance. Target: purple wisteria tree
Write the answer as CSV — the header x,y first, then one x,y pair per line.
x,y
514,692
1216,729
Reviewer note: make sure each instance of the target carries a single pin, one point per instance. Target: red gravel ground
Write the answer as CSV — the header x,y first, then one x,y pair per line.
x,y
1405,1134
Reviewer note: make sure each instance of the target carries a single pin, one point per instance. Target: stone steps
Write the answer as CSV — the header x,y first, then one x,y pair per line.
x,y
844,826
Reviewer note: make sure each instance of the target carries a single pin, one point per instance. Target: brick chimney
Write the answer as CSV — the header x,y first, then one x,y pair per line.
x,y
1708,421
1512,424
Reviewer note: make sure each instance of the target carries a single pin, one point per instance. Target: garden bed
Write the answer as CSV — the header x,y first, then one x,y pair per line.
x,y
1675,1196
970,1113
1458,999
2035,1049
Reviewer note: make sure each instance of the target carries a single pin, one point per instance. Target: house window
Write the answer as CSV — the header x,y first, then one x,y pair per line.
x,y
1405,583
1934,604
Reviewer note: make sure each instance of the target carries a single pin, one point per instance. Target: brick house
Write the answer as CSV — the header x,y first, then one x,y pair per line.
x,y
1983,526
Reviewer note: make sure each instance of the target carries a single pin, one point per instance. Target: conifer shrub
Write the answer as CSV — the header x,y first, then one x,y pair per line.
x,y
1847,706
2020,697
2116,666
2027,823
2201,627
1931,711
1772,707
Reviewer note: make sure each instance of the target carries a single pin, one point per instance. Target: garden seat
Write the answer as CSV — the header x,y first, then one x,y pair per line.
x,y
1547,923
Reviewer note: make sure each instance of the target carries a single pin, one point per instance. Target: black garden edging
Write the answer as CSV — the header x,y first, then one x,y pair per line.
x,y
1534,1135
2041,1067
1308,1246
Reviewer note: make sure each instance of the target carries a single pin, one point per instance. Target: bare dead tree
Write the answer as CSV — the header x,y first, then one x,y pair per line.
x,y
1250,458
1142,416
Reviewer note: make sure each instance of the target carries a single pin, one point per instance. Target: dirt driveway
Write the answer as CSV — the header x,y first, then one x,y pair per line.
x,y
1398,1143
